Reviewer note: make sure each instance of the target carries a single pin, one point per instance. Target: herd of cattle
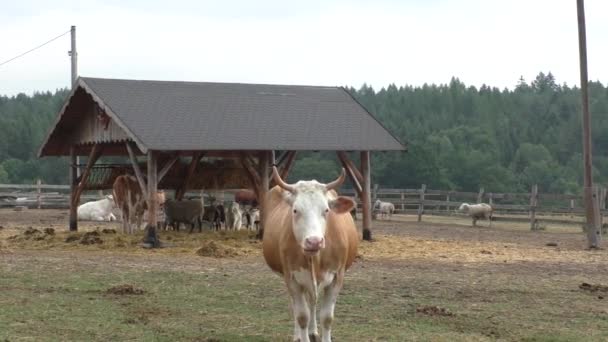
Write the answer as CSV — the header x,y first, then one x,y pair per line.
x,y
193,213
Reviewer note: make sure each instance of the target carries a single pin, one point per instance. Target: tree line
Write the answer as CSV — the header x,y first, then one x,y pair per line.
x,y
459,137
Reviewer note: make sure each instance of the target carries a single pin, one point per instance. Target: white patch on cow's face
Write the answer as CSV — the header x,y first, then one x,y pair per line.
x,y
310,207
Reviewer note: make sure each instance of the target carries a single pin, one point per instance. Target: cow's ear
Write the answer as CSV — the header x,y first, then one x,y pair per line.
x,y
342,204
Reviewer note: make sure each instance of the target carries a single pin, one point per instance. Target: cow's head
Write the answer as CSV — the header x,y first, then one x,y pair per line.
x,y
311,203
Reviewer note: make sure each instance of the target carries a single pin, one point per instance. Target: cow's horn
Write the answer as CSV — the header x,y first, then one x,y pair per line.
x,y
335,184
280,182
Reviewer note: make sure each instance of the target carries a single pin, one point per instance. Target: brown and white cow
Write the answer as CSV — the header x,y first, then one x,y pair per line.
x,y
311,240
131,201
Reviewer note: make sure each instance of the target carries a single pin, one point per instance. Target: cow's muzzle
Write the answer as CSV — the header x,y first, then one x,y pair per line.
x,y
313,244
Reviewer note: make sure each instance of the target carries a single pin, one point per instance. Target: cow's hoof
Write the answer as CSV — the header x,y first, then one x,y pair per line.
x,y
314,338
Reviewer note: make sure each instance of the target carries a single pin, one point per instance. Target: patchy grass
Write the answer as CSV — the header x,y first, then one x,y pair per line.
x,y
416,282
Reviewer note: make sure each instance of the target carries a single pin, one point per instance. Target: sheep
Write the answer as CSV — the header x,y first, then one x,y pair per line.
x,y
214,214
188,212
386,208
477,211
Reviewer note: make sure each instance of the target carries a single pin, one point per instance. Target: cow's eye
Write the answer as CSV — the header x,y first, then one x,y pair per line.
x,y
295,211
326,211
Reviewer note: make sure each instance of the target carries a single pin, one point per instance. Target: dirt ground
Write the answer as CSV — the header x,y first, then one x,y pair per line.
x,y
439,279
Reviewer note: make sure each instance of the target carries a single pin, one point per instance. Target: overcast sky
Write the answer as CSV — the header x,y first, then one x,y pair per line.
x,y
310,42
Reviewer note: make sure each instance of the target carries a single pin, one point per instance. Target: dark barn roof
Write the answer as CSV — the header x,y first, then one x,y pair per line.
x,y
172,116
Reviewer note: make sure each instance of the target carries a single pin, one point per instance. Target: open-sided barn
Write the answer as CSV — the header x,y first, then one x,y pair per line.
x,y
243,128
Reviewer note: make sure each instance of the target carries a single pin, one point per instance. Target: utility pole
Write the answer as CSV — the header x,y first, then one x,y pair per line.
x,y
591,205
74,59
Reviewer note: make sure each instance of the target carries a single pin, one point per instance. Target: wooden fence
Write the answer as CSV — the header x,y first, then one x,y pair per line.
x,y
522,207
532,207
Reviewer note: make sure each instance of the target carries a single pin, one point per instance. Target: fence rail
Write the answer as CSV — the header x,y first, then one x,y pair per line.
x,y
419,201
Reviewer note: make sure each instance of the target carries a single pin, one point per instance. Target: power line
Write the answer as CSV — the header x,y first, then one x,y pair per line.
x,y
36,48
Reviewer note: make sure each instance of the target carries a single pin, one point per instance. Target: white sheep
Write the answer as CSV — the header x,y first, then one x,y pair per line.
x,y
386,209
477,211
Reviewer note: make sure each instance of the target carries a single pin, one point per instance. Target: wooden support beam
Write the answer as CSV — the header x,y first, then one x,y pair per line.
x,y
291,158
263,166
196,158
73,223
163,172
284,166
138,174
344,158
366,195
93,156
150,235
252,173
351,174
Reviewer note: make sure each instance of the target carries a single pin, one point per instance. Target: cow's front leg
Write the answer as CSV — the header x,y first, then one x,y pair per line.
x,y
313,331
328,303
301,313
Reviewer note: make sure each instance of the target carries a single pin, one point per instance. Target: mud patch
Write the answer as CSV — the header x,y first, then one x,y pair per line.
x,y
125,289
433,311
108,231
593,288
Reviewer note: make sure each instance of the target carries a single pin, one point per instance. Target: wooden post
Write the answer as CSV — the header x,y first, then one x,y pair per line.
x,y
602,208
73,186
366,195
39,193
403,202
490,198
447,206
571,207
533,204
480,195
150,235
591,214
421,204
264,166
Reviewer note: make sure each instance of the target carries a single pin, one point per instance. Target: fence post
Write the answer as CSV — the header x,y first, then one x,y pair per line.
x,y
571,207
403,203
480,195
421,204
375,193
39,193
447,199
533,204
602,209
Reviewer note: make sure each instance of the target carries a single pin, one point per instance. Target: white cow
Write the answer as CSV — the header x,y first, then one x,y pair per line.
x,y
97,210
234,216
386,209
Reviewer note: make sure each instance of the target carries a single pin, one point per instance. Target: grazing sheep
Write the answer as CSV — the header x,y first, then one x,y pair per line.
x,y
386,209
188,212
477,211
234,216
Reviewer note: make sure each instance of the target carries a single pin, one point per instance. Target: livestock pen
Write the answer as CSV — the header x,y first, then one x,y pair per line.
x,y
428,281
